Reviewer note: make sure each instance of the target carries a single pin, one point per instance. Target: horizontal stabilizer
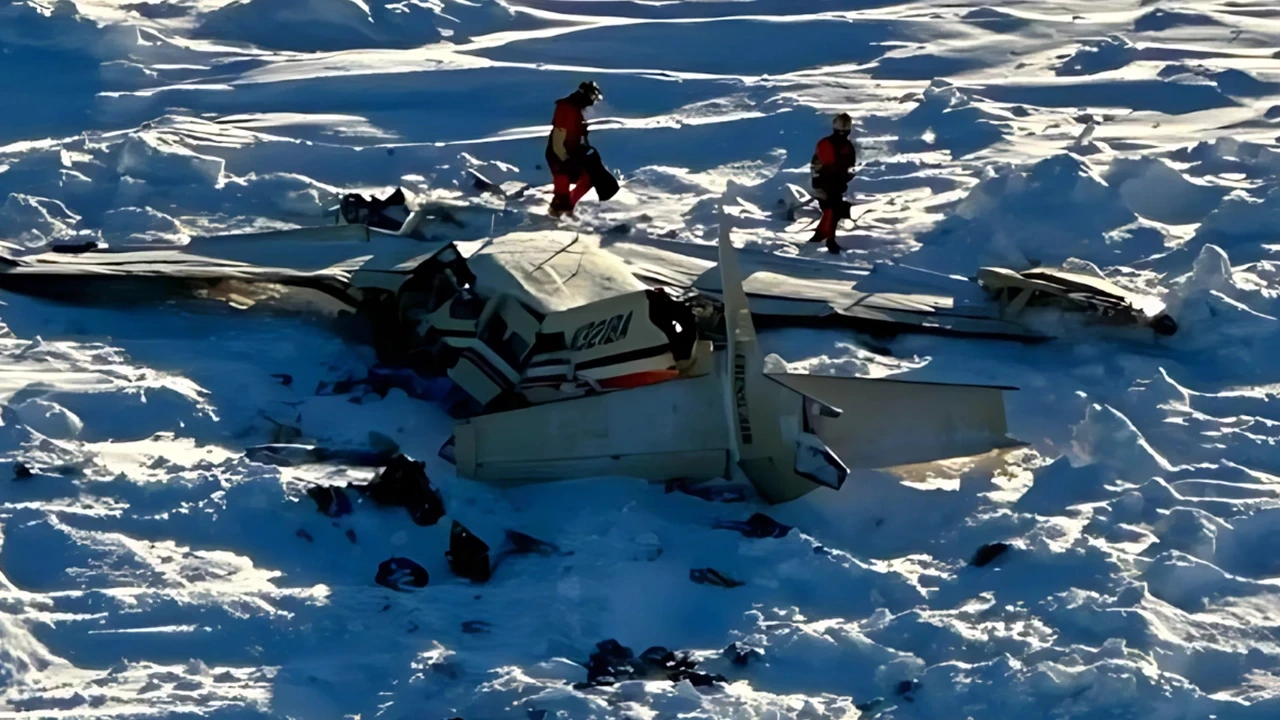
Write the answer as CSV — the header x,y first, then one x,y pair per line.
x,y
885,423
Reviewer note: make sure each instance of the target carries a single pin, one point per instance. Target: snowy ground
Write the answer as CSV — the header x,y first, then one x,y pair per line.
x,y
148,569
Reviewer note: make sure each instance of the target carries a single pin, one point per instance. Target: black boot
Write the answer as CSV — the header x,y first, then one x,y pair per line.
x,y
832,247
560,206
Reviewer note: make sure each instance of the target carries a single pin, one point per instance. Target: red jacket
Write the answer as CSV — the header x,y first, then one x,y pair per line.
x,y
833,159
569,117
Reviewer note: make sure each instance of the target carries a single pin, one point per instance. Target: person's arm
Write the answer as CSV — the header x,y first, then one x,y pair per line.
x,y
558,135
823,158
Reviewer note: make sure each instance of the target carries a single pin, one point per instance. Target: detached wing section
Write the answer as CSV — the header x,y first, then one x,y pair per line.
x,y
796,291
338,260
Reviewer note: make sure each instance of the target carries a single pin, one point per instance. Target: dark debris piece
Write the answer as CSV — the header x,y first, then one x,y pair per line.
x,y
987,553
613,662
400,573
404,483
740,654
476,627
468,555
330,501
758,525
518,543
710,576
22,472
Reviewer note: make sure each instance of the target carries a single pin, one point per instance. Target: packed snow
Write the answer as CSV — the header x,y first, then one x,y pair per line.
x,y
1121,564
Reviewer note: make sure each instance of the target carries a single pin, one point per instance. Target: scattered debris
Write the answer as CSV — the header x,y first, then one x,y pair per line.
x,y
987,553
758,525
740,654
400,573
331,501
613,662
469,556
404,483
710,576
518,543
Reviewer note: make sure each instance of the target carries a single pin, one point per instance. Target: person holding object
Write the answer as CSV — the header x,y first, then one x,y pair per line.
x,y
830,171
568,149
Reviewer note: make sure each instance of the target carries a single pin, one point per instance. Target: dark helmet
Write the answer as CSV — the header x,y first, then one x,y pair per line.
x,y
842,123
591,91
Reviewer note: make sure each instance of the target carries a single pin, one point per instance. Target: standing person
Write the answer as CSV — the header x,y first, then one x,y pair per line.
x,y
830,171
567,148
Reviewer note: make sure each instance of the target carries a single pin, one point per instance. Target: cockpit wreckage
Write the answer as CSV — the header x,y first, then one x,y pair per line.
x,y
639,360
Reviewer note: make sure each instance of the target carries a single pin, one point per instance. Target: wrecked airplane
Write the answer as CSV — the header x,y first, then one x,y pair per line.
x,y
789,434
576,366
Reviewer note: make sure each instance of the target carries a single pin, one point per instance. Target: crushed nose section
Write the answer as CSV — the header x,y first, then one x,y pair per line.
x,y
1090,294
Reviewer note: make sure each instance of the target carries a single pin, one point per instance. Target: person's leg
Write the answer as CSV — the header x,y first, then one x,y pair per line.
x,y
580,189
560,203
827,224
826,231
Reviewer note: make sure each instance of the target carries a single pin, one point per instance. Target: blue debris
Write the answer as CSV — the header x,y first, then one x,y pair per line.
x,y
400,574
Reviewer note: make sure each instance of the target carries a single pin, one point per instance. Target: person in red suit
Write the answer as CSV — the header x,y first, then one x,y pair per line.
x,y
830,171
567,147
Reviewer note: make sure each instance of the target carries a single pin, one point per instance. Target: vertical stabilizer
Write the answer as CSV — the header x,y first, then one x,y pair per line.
x,y
772,442
741,334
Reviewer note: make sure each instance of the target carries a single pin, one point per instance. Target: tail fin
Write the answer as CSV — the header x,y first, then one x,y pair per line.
x,y
771,441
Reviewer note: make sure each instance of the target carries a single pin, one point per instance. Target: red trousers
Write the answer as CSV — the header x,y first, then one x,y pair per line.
x,y
561,187
827,225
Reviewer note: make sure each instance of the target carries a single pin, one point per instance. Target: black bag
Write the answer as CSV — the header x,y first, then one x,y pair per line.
x,y
605,184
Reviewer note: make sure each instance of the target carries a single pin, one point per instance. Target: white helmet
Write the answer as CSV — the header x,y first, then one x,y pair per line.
x,y
842,123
